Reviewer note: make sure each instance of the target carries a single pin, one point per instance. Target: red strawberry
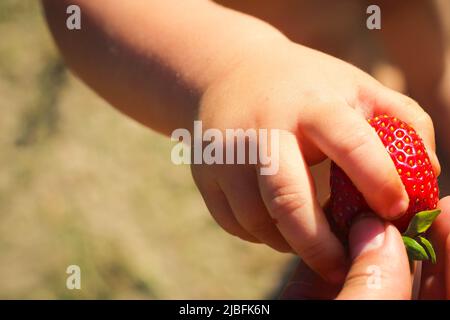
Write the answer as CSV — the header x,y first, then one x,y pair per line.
x,y
414,168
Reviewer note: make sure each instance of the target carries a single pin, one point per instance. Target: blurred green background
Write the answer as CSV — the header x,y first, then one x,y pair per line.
x,y
82,184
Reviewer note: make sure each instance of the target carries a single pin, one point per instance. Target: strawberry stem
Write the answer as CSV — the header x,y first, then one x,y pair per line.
x,y
417,246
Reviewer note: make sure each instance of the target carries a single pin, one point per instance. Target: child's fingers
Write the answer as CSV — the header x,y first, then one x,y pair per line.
x,y
380,268
348,139
241,188
290,199
218,206
393,103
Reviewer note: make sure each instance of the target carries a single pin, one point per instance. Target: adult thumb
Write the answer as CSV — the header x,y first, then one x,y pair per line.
x,y
380,267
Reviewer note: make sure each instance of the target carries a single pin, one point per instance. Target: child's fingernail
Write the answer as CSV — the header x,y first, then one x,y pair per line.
x,y
398,209
366,233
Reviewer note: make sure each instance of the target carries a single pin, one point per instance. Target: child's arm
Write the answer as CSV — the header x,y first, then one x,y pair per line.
x,y
154,59
167,63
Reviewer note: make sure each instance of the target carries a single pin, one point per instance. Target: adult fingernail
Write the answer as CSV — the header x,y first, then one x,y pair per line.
x,y
367,233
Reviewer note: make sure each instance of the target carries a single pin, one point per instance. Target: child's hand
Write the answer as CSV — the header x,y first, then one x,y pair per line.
x,y
321,104
154,60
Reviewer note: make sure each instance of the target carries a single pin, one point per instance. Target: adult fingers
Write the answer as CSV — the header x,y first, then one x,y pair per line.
x,y
305,284
290,199
435,282
348,139
447,269
380,268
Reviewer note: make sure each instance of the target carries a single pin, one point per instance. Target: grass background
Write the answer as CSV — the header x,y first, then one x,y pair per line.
x,y
82,184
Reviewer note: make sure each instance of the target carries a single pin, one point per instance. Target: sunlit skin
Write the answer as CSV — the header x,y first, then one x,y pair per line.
x,y
329,26
393,263
168,63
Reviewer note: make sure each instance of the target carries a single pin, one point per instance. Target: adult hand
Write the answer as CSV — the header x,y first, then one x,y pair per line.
x,y
379,265
379,269
435,282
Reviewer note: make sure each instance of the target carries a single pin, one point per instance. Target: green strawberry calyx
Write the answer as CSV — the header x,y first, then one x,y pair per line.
x,y
417,246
